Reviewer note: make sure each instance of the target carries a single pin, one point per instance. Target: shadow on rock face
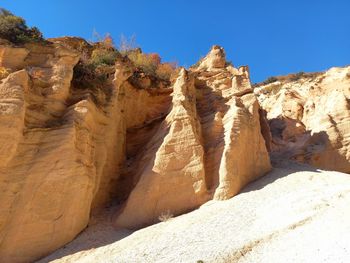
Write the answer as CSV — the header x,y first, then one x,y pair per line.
x,y
291,141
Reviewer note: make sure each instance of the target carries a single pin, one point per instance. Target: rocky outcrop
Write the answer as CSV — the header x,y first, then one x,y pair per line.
x,y
61,148
235,150
172,176
209,146
215,60
244,156
69,150
309,118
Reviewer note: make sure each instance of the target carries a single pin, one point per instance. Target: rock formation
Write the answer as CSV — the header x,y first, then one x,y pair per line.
x,y
66,151
309,117
61,148
209,146
155,148
172,176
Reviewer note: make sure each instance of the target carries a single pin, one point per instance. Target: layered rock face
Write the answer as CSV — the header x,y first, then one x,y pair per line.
x,y
309,117
61,146
171,168
66,151
209,146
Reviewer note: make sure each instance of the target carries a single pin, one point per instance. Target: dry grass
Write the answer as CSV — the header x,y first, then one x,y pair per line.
x,y
165,216
289,78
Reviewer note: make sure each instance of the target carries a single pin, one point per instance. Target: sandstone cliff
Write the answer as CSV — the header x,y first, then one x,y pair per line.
x,y
155,148
209,146
67,151
309,117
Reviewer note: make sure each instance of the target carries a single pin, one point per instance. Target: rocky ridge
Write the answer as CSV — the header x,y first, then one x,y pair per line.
x,y
309,118
68,151
146,146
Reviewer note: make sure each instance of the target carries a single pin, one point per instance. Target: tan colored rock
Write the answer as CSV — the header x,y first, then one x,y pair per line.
x,y
12,57
12,112
235,150
173,177
211,141
61,149
244,156
67,151
309,118
214,60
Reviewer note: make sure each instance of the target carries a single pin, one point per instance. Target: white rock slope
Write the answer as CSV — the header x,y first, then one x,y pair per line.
x,y
295,214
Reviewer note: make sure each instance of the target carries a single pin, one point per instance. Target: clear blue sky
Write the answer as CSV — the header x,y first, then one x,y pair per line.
x,y
272,37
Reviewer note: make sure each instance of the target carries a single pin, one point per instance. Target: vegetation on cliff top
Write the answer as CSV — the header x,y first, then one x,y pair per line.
x,y
150,64
14,29
95,62
288,78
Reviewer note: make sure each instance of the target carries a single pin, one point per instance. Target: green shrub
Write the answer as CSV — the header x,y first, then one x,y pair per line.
x,y
148,63
270,80
101,56
14,29
228,63
297,76
94,69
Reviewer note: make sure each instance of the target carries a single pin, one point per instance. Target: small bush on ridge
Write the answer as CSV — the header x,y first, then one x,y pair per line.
x,y
14,29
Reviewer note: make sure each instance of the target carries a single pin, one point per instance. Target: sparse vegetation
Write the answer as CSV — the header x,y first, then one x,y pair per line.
x,y
97,61
103,57
150,64
270,80
289,77
14,29
165,216
228,63
297,76
94,68
127,45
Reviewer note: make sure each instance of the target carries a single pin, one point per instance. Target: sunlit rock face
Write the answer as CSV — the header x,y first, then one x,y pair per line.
x,y
309,117
153,146
208,147
61,146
